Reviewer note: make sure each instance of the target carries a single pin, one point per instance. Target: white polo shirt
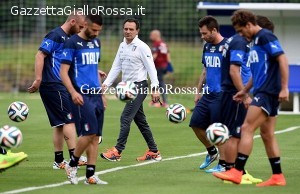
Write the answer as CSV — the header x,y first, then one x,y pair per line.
x,y
135,61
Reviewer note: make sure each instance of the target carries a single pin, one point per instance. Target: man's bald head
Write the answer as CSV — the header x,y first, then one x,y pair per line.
x,y
155,35
76,22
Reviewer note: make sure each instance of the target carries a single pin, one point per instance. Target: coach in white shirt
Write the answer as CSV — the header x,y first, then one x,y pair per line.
x,y
134,59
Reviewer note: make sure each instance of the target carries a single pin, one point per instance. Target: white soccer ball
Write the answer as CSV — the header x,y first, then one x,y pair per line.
x,y
126,91
176,113
217,133
18,111
10,136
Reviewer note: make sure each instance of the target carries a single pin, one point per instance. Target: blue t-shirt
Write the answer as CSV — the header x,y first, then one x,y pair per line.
x,y
52,45
265,48
212,60
236,53
83,56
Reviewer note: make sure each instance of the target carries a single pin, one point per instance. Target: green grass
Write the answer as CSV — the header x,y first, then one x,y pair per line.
x,y
174,176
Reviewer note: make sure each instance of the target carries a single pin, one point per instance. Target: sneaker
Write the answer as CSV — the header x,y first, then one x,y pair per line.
x,y
208,160
232,175
275,180
149,155
111,155
165,105
61,165
249,177
71,174
94,180
82,161
11,159
218,168
243,182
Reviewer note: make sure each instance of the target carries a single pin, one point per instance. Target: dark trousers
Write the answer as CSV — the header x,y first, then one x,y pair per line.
x,y
160,76
134,111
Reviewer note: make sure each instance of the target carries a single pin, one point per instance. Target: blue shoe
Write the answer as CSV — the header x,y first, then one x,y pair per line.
x,y
218,168
208,160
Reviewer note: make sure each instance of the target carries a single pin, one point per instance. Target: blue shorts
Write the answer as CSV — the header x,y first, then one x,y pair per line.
x,y
207,111
233,114
58,105
90,116
268,103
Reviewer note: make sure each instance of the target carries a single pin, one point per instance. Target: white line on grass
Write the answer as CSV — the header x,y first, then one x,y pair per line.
x,y
125,167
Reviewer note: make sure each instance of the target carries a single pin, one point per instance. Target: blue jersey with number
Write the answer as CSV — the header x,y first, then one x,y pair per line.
x,y
265,48
212,60
83,56
52,46
235,53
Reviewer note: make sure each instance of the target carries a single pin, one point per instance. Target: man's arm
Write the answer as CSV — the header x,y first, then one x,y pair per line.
x,y
235,74
64,74
284,73
38,68
202,80
114,71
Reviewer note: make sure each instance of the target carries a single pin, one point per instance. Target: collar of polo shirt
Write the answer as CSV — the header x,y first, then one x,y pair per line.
x,y
135,40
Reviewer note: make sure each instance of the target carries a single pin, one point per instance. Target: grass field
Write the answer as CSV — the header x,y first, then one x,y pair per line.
x,y
172,175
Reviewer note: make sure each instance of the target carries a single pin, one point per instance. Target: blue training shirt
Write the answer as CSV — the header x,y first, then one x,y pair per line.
x,y
235,53
52,45
265,48
212,60
83,56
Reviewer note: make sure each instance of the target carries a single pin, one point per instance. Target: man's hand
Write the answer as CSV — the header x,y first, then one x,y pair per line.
x,y
240,96
34,87
102,74
284,95
247,101
155,96
197,98
77,98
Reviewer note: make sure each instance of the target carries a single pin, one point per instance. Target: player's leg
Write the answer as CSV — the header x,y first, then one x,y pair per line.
x,y
254,118
153,152
200,120
58,143
267,133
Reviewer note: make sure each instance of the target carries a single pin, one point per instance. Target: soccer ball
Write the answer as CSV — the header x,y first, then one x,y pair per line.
x,y
18,111
126,91
10,136
217,133
176,113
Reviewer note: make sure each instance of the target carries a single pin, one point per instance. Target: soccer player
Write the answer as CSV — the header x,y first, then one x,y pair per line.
x,y
134,59
53,93
8,159
79,74
206,109
269,80
161,58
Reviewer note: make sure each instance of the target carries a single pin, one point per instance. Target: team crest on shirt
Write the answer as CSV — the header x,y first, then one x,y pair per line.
x,y
221,48
133,48
96,43
212,49
90,45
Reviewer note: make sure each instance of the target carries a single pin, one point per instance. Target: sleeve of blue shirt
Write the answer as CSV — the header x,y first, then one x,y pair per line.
x,y
49,43
271,44
237,51
67,56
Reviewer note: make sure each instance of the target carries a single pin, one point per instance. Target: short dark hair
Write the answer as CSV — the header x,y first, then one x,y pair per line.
x,y
97,19
265,22
137,23
210,22
242,17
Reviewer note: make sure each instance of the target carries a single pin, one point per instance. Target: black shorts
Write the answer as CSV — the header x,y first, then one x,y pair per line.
x,y
233,114
207,111
58,107
268,103
90,116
